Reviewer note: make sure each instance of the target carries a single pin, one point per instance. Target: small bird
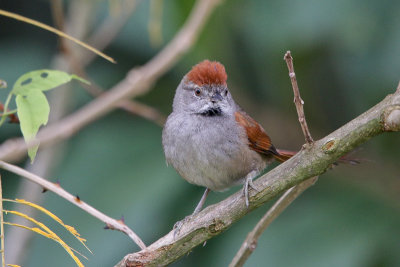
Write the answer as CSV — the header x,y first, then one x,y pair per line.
x,y
210,140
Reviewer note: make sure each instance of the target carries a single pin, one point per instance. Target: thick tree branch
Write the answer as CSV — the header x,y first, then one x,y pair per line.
x,y
309,162
138,81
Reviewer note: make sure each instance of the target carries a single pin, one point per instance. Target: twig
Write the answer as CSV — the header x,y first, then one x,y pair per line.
x,y
308,163
297,98
138,81
55,188
3,257
250,243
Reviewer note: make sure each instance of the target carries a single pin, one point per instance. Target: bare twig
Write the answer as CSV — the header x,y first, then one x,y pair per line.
x,y
55,188
138,81
297,98
250,243
308,163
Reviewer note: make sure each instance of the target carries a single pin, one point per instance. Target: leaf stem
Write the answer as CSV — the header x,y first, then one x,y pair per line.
x,y
5,114
3,118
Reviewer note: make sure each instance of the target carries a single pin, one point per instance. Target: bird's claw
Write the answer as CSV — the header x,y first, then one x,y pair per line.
x,y
249,183
178,225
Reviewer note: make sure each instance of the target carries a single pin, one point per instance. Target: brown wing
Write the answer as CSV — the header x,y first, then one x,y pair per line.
x,y
259,141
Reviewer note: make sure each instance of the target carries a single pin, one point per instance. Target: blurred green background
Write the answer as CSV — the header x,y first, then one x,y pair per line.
x,y
347,58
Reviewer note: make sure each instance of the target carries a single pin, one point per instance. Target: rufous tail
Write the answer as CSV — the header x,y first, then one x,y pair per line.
x,y
284,155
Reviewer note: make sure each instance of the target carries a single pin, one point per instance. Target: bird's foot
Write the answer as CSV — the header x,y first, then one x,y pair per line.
x,y
178,225
249,184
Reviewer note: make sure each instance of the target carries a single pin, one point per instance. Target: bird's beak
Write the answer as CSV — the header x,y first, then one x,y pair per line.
x,y
216,97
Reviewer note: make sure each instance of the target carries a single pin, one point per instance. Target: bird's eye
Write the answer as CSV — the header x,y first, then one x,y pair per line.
x,y
226,92
197,92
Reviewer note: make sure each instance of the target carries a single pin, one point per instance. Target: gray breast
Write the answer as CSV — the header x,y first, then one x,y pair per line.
x,y
209,151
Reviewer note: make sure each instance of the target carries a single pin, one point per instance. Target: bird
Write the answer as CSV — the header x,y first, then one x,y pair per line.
x,y
210,140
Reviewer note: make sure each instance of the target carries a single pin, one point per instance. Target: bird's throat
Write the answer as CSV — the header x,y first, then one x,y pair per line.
x,y
211,112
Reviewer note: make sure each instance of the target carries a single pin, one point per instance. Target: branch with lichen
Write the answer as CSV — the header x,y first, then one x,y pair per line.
x,y
313,160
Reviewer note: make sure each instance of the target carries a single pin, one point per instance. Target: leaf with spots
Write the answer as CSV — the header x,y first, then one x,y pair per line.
x,y
32,106
42,80
33,111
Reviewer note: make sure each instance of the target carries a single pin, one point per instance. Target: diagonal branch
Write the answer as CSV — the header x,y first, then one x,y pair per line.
x,y
55,188
250,243
137,82
309,162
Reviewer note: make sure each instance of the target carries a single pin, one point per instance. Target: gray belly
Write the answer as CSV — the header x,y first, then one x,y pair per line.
x,y
209,153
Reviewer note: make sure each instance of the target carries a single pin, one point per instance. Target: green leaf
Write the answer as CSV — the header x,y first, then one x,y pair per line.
x,y
33,112
42,80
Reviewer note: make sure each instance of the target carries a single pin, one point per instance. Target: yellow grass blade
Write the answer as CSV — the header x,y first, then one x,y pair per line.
x,y
52,235
54,30
33,229
13,265
69,228
43,233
